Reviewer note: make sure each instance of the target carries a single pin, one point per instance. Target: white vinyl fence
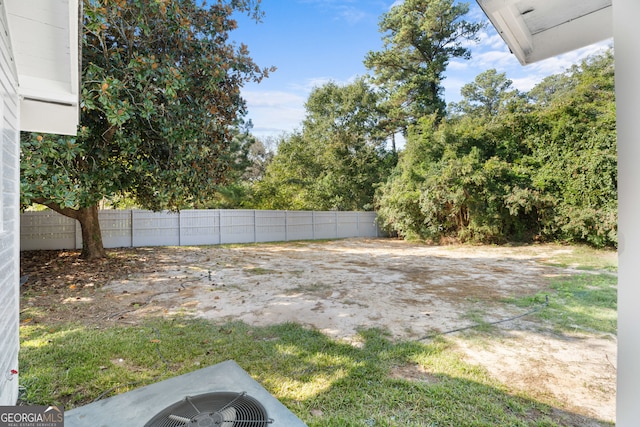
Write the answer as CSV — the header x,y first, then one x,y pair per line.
x,y
137,228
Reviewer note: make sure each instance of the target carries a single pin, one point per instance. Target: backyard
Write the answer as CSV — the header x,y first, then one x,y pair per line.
x,y
343,332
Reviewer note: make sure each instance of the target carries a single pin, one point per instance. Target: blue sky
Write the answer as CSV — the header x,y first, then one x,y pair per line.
x,y
312,42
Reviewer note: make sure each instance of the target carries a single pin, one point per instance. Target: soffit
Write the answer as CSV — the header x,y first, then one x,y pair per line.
x,y
45,40
540,29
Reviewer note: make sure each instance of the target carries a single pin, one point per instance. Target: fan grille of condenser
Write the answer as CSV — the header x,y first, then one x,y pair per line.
x,y
218,409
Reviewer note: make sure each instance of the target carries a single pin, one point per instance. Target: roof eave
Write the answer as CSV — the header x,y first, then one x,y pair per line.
x,y
528,47
46,44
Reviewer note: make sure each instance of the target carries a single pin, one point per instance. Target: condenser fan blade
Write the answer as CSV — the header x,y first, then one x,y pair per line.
x,y
228,416
179,418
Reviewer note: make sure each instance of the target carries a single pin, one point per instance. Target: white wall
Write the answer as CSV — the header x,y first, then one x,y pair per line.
x,y
627,57
9,219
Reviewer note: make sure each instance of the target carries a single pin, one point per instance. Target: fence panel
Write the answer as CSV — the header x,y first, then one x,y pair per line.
x,y
136,228
47,230
237,226
348,226
299,225
200,227
325,225
155,228
367,225
116,229
271,226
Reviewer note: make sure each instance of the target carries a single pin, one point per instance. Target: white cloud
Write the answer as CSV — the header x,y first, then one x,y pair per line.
x,y
560,63
457,65
525,84
475,13
493,59
311,83
526,77
282,111
274,112
452,86
269,99
492,52
352,14
490,40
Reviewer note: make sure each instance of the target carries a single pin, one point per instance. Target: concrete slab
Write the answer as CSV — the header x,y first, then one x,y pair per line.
x,y
136,407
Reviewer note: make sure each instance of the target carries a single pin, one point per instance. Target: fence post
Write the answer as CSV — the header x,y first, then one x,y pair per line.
x,y
133,228
286,227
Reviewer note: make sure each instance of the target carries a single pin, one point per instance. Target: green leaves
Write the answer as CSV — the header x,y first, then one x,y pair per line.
x,y
420,37
160,106
486,96
160,102
49,172
510,167
336,160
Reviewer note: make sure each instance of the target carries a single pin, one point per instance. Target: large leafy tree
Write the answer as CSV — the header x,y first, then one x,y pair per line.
x,y
160,106
486,96
420,37
452,181
574,150
539,166
338,157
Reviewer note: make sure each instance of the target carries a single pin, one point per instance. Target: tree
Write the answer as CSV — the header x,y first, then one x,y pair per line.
x,y
452,181
486,95
336,160
420,37
252,155
543,168
574,150
342,122
289,178
160,105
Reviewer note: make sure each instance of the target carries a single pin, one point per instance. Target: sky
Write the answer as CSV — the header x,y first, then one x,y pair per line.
x,y
312,42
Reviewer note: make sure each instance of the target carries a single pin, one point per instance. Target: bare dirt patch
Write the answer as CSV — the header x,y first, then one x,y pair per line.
x,y
339,287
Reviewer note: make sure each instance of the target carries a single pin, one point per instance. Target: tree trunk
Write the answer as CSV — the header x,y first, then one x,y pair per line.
x,y
92,247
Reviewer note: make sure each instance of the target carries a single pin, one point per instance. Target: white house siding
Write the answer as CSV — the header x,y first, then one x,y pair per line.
x,y
9,219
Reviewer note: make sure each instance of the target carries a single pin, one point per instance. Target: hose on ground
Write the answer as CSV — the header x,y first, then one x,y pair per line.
x,y
464,328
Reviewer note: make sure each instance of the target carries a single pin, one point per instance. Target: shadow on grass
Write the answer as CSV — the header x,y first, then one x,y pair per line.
x,y
373,382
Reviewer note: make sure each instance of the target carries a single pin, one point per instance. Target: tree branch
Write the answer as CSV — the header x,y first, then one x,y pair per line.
x,y
68,212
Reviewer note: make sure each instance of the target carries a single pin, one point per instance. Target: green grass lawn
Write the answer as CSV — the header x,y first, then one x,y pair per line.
x,y
580,303
323,381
